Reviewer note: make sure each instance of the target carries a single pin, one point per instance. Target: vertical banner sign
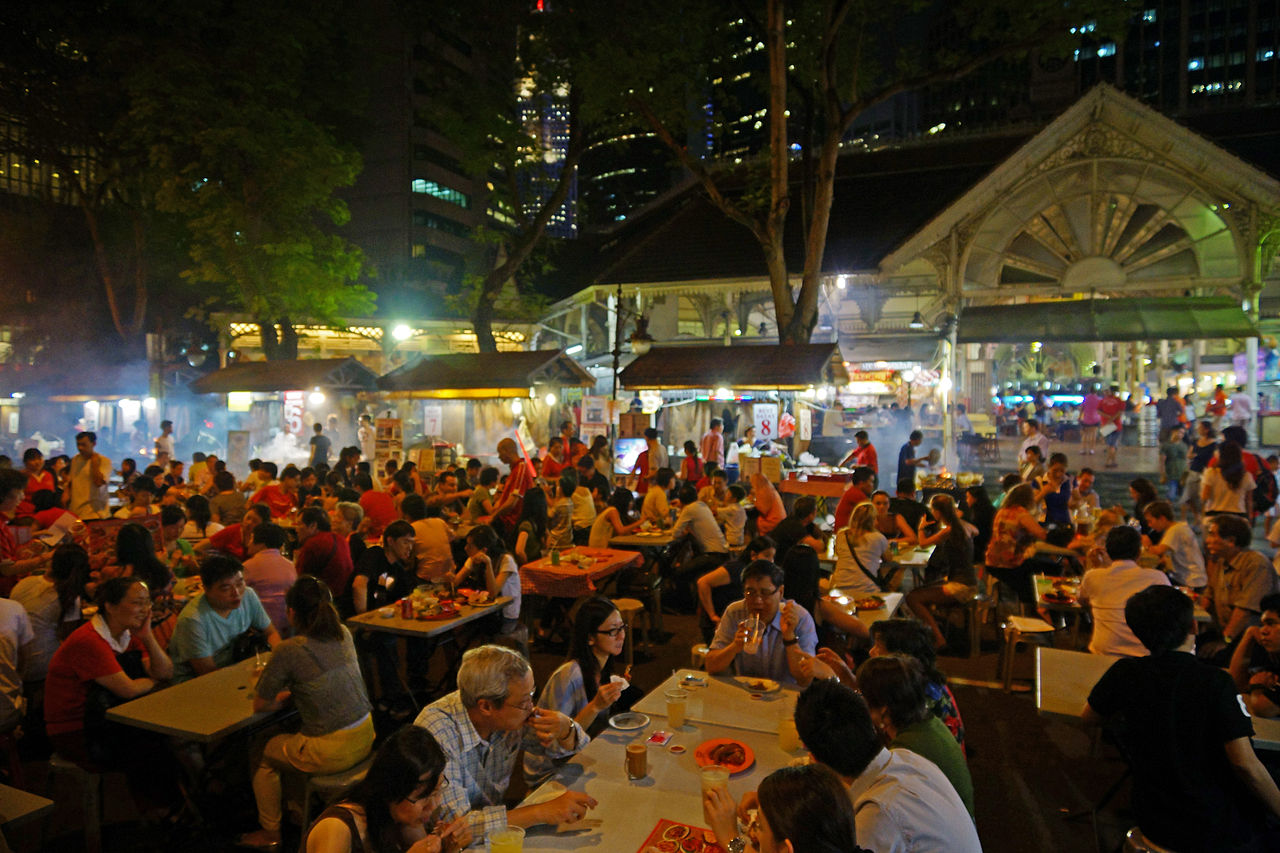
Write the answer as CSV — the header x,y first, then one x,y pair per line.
x,y
765,419
432,419
293,408
388,443
238,452
805,422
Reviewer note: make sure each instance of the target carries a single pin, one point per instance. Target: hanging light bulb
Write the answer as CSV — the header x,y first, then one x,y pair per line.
x,y
516,407
917,321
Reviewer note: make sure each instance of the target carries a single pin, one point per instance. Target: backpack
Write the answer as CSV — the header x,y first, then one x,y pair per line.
x,y
1264,493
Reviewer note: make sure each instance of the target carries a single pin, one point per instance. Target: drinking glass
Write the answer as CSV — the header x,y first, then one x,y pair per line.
x,y
637,762
509,840
755,632
714,776
676,699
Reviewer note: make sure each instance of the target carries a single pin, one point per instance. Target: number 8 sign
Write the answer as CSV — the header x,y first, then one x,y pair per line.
x,y
765,419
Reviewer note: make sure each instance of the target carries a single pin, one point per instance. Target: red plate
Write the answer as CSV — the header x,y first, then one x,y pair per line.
x,y
702,755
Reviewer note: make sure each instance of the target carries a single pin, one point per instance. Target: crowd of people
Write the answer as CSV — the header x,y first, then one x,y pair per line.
x,y
206,569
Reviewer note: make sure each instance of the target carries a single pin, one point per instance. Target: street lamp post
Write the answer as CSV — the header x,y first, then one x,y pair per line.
x,y
1251,346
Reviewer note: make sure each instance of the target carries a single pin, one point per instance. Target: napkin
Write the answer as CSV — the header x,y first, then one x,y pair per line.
x,y
618,679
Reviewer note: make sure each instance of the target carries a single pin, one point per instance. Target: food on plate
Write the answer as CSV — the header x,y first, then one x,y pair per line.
x,y
676,832
869,603
666,846
728,754
692,844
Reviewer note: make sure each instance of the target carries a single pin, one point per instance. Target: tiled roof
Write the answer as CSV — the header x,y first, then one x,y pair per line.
x,y
743,366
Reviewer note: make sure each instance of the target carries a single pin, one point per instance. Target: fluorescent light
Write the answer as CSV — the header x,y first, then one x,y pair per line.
x,y
573,350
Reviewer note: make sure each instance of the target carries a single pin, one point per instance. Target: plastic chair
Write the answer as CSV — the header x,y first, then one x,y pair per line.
x,y
1015,630
91,798
330,786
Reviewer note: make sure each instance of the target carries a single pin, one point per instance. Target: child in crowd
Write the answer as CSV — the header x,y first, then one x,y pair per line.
x,y
732,517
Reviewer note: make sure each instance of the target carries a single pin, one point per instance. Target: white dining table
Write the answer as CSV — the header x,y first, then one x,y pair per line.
x,y
1064,680
202,709
629,810
724,701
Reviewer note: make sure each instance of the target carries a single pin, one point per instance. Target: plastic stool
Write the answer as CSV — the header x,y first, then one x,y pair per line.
x,y
1015,629
1136,842
329,786
91,798
630,609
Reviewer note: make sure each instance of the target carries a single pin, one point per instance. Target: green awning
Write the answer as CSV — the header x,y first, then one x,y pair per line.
x,y
1085,320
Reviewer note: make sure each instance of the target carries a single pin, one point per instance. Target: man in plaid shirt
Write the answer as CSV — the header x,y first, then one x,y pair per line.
x,y
481,727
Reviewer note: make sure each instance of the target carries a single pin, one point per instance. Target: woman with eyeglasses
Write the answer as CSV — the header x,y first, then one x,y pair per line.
x,y
317,670
583,687
388,810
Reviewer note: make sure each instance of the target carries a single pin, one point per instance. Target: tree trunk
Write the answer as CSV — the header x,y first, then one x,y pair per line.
x,y
270,340
282,345
806,313
779,156
482,323
128,331
288,340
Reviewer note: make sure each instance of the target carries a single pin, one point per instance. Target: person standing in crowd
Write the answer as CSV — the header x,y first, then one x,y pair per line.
x,y
712,444
1171,412
165,444
86,495
366,437
1033,436
506,512
908,461
1216,408
319,446
1197,784
1090,420
1199,455
650,461
1242,407
1173,462
1227,488
1111,410
863,454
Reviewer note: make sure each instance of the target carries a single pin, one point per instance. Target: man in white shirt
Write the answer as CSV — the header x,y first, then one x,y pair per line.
x,y
164,443
86,497
17,645
1107,590
903,802
697,521
1179,541
366,435
1241,404
1033,437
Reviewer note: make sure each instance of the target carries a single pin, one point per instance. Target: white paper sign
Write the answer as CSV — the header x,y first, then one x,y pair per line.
x,y
432,419
765,419
804,422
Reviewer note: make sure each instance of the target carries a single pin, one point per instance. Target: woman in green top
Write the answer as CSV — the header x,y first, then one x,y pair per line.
x,y
894,687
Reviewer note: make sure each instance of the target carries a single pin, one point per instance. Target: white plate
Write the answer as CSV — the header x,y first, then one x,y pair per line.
x,y
757,685
628,721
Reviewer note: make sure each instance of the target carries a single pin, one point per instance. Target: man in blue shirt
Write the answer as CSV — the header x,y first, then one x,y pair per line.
x,y
907,459
210,623
788,639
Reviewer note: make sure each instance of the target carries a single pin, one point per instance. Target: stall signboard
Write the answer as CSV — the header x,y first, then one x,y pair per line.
x,y
595,410
389,443
804,423
765,420
294,406
432,419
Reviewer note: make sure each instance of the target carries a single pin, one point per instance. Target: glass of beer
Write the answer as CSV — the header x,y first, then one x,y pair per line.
x,y
755,633
714,776
509,840
699,655
676,699
637,761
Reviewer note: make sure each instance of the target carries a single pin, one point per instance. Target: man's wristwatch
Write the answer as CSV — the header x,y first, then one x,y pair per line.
x,y
790,642
737,845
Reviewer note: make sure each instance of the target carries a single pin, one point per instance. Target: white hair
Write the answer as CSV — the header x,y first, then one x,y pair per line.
x,y
487,672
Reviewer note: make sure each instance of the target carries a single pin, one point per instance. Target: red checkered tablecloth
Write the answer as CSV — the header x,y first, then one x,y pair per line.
x,y
569,580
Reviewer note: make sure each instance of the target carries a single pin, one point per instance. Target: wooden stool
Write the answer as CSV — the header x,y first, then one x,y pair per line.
x,y
630,609
91,798
975,615
329,786
9,743
1014,630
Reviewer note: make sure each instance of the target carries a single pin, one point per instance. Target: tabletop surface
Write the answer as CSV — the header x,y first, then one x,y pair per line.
x,y
604,560
629,810
642,540
18,806
723,702
913,556
1064,680
203,709
373,620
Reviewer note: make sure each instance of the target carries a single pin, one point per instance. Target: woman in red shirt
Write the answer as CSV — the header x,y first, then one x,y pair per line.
x,y
110,659
235,539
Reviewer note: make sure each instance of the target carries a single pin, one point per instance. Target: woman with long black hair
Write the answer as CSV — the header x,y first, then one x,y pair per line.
x,y
950,573
1227,488
387,811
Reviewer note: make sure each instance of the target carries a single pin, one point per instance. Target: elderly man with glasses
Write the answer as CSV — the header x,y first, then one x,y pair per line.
x,y
481,727
787,636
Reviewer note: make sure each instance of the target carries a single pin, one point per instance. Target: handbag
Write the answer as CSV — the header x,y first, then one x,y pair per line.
x,y
249,644
881,584
98,699
1107,428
